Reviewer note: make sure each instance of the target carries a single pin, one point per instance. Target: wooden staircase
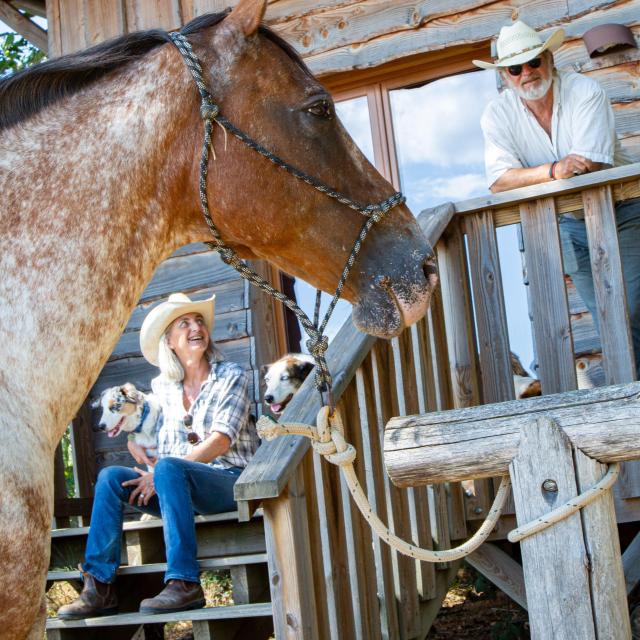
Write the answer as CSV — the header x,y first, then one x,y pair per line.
x,y
223,543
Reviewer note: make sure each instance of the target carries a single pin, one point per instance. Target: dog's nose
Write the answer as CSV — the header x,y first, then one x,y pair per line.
x,y
269,399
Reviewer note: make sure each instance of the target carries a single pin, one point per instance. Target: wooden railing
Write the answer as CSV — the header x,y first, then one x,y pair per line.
x,y
329,577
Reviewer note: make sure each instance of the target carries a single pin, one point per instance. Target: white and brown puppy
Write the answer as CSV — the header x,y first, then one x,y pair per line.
x,y
283,378
125,408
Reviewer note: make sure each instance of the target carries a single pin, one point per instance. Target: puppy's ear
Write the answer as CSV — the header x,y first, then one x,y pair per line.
x,y
130,392
96,402
303,369
263,370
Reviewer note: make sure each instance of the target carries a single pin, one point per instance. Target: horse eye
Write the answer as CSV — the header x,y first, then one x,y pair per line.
x,y
322,109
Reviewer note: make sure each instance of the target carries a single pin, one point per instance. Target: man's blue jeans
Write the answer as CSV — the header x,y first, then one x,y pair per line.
x,y
183,489
575,251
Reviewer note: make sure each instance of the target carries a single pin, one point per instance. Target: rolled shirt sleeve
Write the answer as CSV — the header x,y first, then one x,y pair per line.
x,y
594,133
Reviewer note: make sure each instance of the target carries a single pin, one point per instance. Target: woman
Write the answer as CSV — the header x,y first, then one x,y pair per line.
x,y
204,442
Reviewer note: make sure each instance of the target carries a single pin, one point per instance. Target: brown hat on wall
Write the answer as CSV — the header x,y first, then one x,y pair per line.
x,y
607,38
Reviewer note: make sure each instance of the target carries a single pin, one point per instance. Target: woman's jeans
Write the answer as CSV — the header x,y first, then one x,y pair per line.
x,y
183,488
575,252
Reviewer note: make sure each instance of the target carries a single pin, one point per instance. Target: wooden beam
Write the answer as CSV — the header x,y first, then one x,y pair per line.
x,y
501,569
481,442
22,25
555,560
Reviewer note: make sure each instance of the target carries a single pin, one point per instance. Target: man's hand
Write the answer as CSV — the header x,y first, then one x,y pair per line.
x,y
143,487
139,454
574,165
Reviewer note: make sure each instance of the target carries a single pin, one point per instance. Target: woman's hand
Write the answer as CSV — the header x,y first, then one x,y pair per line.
x,y
143,487
139,454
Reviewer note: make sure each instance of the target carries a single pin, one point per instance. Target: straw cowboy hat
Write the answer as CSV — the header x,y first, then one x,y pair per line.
x,y
518,43
159,318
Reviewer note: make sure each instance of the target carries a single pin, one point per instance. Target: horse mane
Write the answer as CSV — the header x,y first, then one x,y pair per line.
x,y
31,90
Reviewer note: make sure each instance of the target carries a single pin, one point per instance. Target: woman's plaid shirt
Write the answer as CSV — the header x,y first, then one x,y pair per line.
x,y
222,405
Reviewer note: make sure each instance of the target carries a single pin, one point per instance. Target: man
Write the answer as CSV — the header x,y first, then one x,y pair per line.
x,y
546,126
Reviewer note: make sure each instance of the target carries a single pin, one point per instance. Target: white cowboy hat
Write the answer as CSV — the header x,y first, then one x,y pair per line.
x,y
159,318
518,43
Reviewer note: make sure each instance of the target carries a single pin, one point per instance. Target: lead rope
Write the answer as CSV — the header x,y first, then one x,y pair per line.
x,y
328,437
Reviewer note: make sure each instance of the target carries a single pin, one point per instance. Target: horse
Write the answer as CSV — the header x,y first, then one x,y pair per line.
x,y
99,176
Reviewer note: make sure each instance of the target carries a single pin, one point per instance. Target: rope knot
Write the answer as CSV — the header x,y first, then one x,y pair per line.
x,y
318,345
209,110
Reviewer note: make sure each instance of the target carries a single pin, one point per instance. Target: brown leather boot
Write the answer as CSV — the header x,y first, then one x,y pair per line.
x,y
177,595
97,599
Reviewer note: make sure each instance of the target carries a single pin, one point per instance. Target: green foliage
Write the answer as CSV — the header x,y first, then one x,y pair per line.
x,y
17,53
67,458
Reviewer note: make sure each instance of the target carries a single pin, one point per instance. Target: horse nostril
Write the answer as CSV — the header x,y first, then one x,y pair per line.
x,y
430,271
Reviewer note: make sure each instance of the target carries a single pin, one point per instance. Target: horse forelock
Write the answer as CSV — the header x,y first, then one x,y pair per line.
x,y
28,92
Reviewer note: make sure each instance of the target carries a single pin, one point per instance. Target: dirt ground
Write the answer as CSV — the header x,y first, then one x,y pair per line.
x,y
474,609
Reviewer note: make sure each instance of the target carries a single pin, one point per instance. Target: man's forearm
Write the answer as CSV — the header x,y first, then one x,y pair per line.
x,y
515,178
217,444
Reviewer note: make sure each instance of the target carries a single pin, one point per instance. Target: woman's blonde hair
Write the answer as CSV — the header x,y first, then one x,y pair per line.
x,y
169,364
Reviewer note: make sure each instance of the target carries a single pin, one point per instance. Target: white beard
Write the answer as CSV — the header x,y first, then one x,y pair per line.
x,y
535,92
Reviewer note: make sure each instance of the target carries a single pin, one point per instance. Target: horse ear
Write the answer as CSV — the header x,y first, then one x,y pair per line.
x,y
247,15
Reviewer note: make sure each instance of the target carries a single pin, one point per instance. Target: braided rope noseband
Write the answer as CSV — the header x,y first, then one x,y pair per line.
x,y
210,113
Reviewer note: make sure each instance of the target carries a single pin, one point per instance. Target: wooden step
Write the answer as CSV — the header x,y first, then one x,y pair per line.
x,y
210,564
209,613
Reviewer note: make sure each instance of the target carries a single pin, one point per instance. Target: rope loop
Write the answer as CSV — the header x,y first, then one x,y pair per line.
x,y
318,345
209,110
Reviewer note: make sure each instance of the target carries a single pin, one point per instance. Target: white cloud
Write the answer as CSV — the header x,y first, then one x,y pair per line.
x,y
451,188
439,123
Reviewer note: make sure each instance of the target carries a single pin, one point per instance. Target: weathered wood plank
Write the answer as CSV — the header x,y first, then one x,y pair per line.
x,y
501,569
187,273
631,564
290,575
377,485
35,34
554,560
103,20
480,442
164,14
611,301
606,577
550,310
491,319
71,28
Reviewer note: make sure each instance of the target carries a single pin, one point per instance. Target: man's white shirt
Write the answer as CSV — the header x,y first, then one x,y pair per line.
x,y
582,123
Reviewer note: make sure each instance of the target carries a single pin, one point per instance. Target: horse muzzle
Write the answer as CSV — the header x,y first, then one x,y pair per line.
x,y
392,303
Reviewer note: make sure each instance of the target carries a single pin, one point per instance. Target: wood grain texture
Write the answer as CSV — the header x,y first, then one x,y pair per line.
x,y
611,301
548,296
491,320
606,577
555,560
35,34
481,441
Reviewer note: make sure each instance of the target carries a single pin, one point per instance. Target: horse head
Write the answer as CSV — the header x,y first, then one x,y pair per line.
x,y
264,88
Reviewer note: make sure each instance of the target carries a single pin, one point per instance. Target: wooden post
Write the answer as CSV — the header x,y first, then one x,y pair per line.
x,y
573,575
290,574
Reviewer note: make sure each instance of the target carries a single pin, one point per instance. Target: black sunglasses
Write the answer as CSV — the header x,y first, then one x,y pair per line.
x,y
516,69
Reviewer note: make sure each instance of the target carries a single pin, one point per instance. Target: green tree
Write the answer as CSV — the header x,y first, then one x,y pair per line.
x,y
17,53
